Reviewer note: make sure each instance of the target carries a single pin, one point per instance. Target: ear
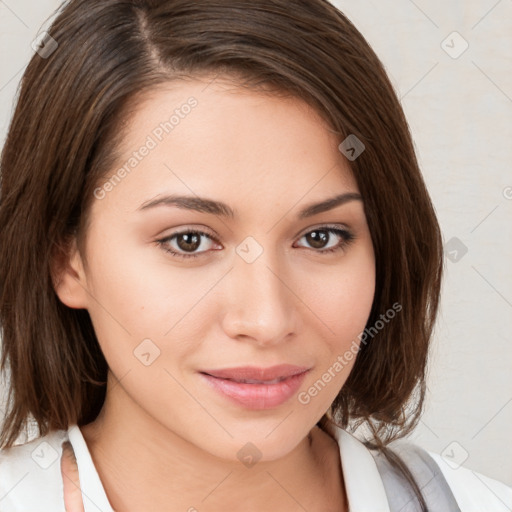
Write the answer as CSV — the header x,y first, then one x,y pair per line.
x,y
68,276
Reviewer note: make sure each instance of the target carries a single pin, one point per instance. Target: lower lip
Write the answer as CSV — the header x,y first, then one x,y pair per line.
x,y
257,396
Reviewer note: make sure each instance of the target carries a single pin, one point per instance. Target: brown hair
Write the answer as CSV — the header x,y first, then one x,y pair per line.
x,y
63,140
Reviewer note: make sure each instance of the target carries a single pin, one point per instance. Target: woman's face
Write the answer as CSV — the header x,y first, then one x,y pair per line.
x,y
256,287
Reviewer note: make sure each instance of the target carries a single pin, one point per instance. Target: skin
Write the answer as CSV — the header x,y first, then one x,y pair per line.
x,y
164,437
70,479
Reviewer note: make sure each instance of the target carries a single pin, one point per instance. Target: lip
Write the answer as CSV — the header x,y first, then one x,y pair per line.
x,y
257,373
258,396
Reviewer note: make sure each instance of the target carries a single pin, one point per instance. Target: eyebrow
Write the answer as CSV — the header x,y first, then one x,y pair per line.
x,y
204,205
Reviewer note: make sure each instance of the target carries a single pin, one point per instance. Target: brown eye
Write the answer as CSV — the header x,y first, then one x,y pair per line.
x,y
187,243
320,239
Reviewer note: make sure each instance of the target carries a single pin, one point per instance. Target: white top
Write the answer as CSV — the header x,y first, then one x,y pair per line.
x,y
31,479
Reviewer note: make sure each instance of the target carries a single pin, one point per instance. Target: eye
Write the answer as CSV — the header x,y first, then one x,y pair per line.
x,y
321,238
189,240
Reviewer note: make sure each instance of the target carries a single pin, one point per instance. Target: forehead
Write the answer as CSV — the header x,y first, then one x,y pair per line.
x,y
216,138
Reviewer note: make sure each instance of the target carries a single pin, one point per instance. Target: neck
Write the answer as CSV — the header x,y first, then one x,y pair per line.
x,y
137,457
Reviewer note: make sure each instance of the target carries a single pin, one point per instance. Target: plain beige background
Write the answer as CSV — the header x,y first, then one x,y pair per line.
x,y
456,90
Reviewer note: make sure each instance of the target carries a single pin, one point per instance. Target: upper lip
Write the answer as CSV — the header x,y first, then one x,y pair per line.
x,y
256,373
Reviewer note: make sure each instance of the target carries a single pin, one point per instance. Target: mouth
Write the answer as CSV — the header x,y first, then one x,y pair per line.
x,y
257,393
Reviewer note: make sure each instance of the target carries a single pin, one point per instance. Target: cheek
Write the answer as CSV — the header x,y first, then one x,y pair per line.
x,y
341,307
148,312
341,297
354,300
132,285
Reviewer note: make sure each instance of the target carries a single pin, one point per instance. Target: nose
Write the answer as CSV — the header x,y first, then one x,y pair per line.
x,y
261,305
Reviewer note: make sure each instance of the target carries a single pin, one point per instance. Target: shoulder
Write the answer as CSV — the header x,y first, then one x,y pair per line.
x,y
444,485
472,491
30,475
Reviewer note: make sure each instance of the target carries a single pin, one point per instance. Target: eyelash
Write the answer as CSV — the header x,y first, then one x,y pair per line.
x,y
347,239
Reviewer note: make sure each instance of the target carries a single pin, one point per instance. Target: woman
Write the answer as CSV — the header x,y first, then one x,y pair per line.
x,y
218,257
